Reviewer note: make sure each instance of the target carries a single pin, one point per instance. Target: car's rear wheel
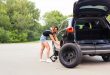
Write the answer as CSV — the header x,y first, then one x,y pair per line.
x,y
70,55
106,58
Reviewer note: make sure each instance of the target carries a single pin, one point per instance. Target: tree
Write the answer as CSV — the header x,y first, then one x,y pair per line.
x,y
19,19
53,17
4,18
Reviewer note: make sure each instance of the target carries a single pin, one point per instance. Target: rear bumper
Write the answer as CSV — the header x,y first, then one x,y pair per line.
x,y
95,52
92,49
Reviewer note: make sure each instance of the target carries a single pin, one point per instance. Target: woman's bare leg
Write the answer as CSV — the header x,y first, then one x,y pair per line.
x,y
41,51
48,49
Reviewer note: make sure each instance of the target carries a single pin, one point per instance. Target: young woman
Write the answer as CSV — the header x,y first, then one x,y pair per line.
x,y
44,44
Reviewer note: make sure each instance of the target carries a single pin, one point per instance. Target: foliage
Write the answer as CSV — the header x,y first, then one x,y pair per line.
x,y
53,18
18,21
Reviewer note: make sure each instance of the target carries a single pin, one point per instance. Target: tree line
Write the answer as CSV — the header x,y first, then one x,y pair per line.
x,y
19,21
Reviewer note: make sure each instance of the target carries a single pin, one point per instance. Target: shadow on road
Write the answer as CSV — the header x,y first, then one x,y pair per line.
x,y
92,60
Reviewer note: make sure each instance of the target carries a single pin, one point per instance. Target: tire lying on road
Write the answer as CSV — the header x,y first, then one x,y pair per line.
x,y
70,55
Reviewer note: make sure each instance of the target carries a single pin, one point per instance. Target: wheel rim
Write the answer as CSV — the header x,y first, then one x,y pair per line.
x,y
69,55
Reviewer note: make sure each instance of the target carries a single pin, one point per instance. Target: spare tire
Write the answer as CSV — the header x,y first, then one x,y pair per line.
x,y
70,55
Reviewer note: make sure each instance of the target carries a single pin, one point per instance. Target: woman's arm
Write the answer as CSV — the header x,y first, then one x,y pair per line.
x,y
55,36
53,39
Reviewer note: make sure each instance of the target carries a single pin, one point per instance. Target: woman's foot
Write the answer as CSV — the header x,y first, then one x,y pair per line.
x,y
42,60
48,60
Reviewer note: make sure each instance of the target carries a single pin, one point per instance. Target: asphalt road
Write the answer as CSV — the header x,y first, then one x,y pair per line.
x,y
23,59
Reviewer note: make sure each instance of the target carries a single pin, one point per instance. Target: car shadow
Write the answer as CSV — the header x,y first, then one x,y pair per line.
x,y
86,59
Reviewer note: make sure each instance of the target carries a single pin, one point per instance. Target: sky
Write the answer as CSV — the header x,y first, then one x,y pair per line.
x,y
64,6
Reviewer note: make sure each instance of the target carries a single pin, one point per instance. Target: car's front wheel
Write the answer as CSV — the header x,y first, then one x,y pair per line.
x,y
106,58
70,55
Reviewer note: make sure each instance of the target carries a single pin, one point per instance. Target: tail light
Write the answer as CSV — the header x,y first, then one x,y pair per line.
x,y
70,29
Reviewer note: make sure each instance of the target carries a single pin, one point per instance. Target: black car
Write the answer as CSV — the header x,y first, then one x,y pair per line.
x,y
88,33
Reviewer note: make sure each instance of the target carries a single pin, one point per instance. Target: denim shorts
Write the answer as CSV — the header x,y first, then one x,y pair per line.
x,y
43,38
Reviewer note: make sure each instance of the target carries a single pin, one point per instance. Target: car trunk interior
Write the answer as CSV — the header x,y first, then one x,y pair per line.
x,y
93,34
96,32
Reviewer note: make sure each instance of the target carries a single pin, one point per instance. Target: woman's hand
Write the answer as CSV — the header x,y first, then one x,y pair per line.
x,y
57,44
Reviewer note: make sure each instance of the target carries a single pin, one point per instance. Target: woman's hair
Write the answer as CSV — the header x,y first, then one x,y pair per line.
x,y
54,27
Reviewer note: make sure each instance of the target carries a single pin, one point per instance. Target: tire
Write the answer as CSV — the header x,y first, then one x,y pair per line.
x,y
70,55
106,58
